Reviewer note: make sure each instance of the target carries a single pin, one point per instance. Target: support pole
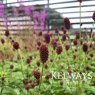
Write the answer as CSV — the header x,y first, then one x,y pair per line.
x,y
48,14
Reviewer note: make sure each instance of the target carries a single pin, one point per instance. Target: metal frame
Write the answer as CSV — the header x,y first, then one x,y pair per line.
x,y
48,4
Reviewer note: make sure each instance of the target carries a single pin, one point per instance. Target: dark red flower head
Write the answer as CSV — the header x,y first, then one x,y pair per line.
x,y
12,41
7,33
67,23
88,68
48,76
36,74
30,57
43,53
80,1
62,28
67,46
65,31
28,60
47,37
16,45
38,63
69,71
77,34
85,47
54,43
59,49
56,30
40,34
75,42
2,41
64,37
93,17
38,43
27,87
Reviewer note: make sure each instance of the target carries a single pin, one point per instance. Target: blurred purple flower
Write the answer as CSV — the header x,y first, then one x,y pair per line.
x,y
20,2
27,10
39,19
15,11
2,10
42,18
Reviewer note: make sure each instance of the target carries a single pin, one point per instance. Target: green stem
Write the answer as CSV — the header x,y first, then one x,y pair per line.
x,y
2,87
21,64
1,90
58,37
85,58
41,78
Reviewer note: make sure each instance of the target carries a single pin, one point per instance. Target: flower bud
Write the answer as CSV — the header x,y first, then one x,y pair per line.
x,y
85,47
47,38
59,49
67,23
93,17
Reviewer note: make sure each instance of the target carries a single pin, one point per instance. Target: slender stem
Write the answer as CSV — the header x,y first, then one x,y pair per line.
x,y
2,87
53,66
91,39
1,90
21,64
41,78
